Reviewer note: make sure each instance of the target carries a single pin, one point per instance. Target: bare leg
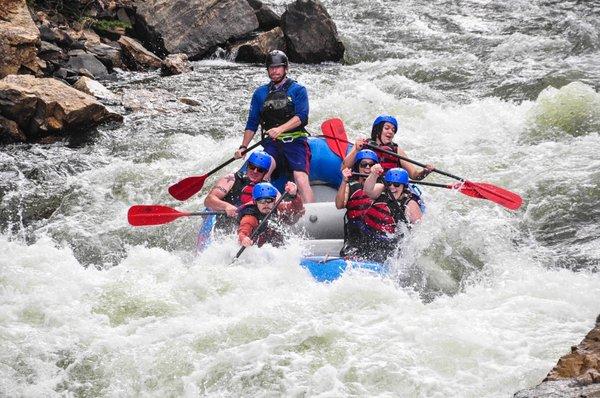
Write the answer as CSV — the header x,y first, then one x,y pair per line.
x,y
267,176
304,188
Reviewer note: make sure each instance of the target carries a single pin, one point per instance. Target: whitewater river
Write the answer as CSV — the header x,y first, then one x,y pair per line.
x,y
481,304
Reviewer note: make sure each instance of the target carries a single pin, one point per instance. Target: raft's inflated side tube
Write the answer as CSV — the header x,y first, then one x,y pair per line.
x,y
321,221
325,167
328,269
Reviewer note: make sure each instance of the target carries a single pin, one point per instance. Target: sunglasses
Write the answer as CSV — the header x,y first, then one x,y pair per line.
x,y
256,168
396,184
366,164
265,201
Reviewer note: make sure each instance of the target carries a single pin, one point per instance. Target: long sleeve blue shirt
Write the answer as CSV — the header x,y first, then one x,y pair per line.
x,y
299,98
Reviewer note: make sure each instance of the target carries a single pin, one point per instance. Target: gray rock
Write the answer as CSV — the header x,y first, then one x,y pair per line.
x,y
192,27
80,59
111,57
310,33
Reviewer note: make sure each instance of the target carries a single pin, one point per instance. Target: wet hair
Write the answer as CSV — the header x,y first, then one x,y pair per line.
x,y
376,131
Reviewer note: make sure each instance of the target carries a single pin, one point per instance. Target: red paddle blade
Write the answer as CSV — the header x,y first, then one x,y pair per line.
x,y
187,187
503,197
336,137
140,215
465,189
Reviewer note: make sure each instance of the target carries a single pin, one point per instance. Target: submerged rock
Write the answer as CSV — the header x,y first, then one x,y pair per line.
x,y
46,107
19,38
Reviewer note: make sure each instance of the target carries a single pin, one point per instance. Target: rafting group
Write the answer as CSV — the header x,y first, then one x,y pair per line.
x,y
376,177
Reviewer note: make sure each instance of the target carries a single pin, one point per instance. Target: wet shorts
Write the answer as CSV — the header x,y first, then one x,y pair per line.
x,y
295,154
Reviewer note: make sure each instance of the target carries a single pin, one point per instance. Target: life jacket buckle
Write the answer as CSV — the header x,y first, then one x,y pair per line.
x,y
287,140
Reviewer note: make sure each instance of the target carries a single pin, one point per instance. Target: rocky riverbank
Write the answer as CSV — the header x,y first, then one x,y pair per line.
x,y
89,41
576,374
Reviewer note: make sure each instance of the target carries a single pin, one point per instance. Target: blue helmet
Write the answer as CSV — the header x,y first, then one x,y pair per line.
x,y
386,118
260,159
366,154
396,175
264,190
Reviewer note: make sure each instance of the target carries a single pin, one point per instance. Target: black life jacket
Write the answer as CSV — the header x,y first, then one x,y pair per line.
x,y
385,213
387,161
239,194
268,232
241,191
278,107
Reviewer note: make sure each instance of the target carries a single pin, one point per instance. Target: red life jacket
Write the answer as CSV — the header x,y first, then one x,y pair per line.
x,y
385,213
387,161
358,201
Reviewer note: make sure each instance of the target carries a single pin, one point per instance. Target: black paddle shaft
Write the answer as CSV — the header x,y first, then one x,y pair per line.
x,y
251,147
373,147
257,230
431,184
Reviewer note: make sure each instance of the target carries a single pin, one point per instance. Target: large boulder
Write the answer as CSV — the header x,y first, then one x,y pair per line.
x,y
255,50
19,38
136,56
310,33
45,107
192,27
267,19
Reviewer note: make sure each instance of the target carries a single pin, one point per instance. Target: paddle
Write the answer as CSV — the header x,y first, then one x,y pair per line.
x,y
189,186
498,195
257,231
140,215
335,136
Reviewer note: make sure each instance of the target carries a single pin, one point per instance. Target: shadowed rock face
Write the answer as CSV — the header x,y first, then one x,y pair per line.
x,y
256,50
192,27
310,33
19,38
44,107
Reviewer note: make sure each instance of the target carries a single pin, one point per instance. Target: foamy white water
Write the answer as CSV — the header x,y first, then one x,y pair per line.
x,y
480,303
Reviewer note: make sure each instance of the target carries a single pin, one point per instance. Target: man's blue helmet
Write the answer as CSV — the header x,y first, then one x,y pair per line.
x,y
260,159
264,190
386,118
366,154
396,175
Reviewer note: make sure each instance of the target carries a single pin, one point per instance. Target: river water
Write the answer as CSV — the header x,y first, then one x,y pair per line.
x,y
482,302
